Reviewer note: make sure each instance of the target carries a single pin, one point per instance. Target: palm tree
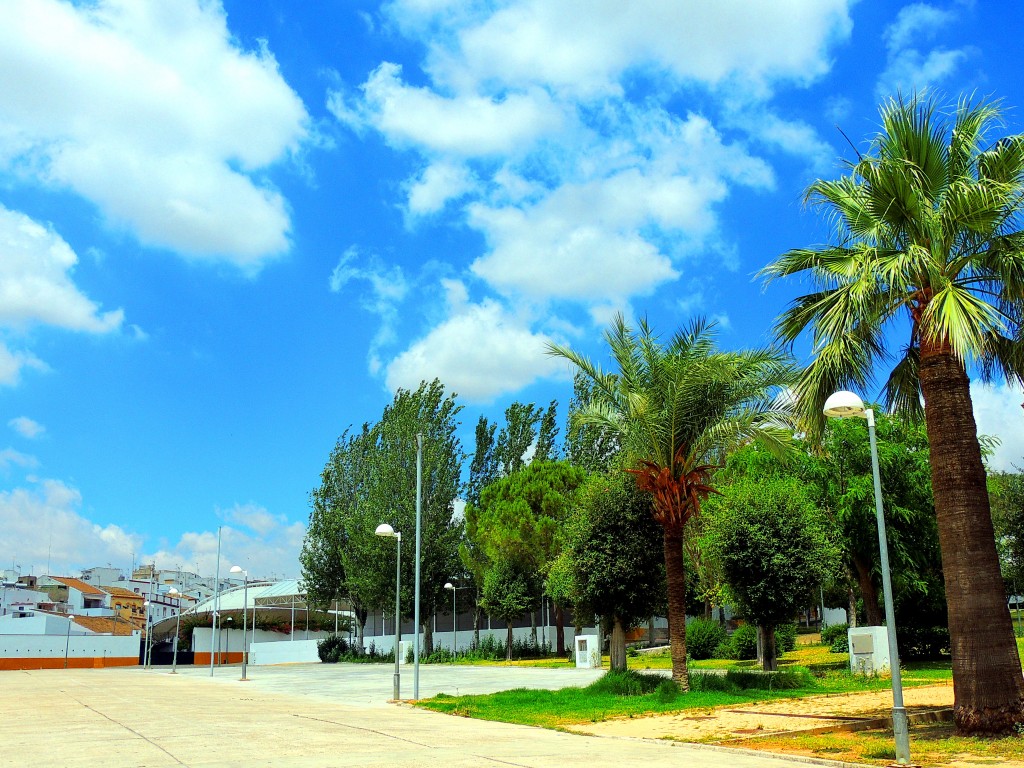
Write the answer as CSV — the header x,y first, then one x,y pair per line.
x,y
676,410
927,241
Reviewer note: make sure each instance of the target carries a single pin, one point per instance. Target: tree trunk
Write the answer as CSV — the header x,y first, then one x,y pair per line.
x,y
851,608
760,646
476,626
559,630
428,638
988,687
868,593
675,574
770,661
650,632
508,642
617,646
707,610
533,629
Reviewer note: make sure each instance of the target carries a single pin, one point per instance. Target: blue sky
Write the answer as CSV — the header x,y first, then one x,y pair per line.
x,y
229,231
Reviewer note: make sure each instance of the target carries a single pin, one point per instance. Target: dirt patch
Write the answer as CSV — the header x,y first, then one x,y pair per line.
x,y
815,713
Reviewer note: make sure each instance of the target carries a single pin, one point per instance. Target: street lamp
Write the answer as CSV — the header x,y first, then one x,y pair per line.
x,y
149,633
245,614
842,405
455,619
388,532
174,593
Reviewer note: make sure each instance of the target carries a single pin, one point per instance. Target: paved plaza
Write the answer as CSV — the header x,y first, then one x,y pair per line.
x,y
300,715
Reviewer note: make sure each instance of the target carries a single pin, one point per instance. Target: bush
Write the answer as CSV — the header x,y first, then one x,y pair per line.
x,y
745,679
744,642
923,643
830,633
708,681
723,650
785,638
703,637
840,645
667,691
627,683
332,648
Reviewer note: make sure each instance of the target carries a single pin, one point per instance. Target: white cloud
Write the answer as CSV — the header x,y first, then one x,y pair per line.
x,y
26,427
467,125
269,548
998,412
42,523
12,363
387,288
527,128
480,351
750,43
151,112
908,67
35,280
439,183
9,457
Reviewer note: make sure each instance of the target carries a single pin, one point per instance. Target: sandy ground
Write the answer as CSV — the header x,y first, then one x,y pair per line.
x,y
785,716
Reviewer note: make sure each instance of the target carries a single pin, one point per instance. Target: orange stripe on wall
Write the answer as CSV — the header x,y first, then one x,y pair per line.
x,y
88,662
202,658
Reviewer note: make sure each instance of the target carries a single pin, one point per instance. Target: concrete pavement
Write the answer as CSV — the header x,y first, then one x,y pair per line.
x,y
302,715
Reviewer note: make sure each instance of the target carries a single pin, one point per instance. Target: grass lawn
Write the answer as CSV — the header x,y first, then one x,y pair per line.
x,y
931,744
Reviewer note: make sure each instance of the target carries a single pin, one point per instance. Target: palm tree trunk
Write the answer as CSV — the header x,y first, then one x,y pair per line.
x,y
988,687
675,573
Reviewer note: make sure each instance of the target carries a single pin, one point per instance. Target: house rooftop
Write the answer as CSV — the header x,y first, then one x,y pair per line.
x,y
104,625
81,586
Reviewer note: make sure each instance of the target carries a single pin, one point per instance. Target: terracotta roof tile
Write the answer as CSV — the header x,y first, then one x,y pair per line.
x,y
104,624
81,586
122,592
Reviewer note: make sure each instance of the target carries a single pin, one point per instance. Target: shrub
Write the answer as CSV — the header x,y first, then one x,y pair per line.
x,y
708,681
627,683
923,643
830,633
332,648
702,637
785,638
723,650
744,642
667,691
746,679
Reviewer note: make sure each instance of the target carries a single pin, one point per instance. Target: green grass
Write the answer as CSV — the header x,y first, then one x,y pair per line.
x,y
633,694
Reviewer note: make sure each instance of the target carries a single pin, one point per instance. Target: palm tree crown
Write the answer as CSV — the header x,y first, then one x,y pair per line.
x,y
927,229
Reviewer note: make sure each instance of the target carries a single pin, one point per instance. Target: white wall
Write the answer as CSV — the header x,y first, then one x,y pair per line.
x,y
284,652
231,639
40,624
77,646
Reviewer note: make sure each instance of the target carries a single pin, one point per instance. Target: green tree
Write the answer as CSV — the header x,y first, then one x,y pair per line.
x,y
511,589
483,470
589,446
516,437
521,520
771,543
390,491
617,570
1006,489
927,232
677,409
547,433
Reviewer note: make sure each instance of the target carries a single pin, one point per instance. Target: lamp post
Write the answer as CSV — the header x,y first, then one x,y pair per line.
x,y
149,633
173,592
843,405
416,597
455,619
388,532
245,614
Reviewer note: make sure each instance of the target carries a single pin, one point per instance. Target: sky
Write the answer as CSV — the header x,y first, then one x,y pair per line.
x,y
229,230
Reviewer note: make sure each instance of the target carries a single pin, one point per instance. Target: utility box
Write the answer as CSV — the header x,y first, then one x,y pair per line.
x,y
404,646
588,652
869,649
